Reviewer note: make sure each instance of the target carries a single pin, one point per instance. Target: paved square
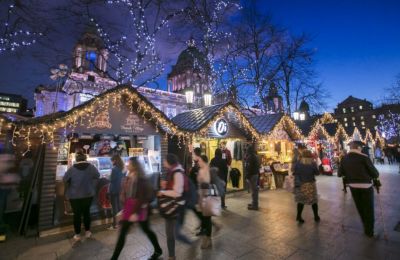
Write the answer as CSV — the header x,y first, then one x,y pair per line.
x,y
271,233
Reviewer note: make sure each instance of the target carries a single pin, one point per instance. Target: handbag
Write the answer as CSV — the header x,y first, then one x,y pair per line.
x,y
288,183
211,201
169,206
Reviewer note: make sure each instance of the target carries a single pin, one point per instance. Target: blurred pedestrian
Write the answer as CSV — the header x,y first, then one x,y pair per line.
x,y
172,188
222,167
116,177
252,167
341,156
136,195
80,181
8,182
305,188
204,180
361,175
25,172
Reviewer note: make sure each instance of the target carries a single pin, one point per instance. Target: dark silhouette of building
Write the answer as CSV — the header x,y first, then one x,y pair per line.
x,y
354,112
11,103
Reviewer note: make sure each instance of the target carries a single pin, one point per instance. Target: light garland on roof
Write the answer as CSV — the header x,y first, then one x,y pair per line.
x,y
45,131
288,125
243,121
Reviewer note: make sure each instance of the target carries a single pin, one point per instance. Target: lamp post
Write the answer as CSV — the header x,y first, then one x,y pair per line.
x,y
207,98
189,93
58,75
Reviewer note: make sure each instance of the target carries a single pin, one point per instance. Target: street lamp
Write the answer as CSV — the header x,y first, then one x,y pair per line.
x,y
296,115
189,93
207,98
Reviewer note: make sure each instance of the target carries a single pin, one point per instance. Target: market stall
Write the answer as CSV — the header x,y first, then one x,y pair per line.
x,y
119,121
275,147
219,126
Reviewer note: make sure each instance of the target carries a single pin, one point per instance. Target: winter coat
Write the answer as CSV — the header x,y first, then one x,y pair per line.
x,y
80,180
356,167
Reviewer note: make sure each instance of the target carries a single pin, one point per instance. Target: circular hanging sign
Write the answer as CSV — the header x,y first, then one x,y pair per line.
x,y
221,127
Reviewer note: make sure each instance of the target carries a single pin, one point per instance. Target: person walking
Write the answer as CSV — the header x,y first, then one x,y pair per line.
x,y
136,195
341,156
305,188
172,187
361,175
222,167
204,180
116,177
252,166
80,181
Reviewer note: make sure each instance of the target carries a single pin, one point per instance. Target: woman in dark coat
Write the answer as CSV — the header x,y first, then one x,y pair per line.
x,y
305,187
222,167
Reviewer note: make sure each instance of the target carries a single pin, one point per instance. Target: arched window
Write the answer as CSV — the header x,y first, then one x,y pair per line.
x,y
91,57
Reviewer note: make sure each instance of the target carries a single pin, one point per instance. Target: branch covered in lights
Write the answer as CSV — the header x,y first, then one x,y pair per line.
x,y
13,37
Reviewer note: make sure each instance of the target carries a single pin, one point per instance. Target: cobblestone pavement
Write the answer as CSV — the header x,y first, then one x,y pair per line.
x,y
271,233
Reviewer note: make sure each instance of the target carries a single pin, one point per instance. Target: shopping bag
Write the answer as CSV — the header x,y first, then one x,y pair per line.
x,y
288,183
211,201
169,207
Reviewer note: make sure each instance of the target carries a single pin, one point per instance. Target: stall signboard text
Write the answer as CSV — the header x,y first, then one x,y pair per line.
x,y
221,127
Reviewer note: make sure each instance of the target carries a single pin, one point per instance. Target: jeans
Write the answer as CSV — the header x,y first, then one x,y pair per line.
x,y
116,207
364,200
206,225
81,207
125,226
254,190
170,233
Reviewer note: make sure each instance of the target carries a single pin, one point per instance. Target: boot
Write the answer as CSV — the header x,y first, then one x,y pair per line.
x,y
300,208
315,210
206,242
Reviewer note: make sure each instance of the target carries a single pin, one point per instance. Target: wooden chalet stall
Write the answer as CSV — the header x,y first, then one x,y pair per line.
x,y
275,147
119,121
207,128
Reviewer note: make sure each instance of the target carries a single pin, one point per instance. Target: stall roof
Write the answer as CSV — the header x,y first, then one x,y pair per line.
x,y
195,119
306,125
63,118
331,128
265,123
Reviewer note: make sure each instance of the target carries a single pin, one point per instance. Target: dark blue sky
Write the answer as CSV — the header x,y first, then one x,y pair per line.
x,y
357,43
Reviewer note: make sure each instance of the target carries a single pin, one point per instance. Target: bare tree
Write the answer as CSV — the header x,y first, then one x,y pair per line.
x,y
393,92
297,78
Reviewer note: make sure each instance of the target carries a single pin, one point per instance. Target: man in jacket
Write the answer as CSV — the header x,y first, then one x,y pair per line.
x,y
252,166
361,175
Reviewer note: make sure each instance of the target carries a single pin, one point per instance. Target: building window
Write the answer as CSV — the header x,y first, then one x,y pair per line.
x,y
362,117
345,119
353,118
361,107
354,123
344,110
362,123
352,109
346,125
91,57
373,116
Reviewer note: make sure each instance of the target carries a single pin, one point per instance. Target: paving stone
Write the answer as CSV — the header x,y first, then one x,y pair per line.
x,y
271,233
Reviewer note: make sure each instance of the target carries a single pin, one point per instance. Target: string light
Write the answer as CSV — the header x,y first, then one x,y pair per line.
x,y
15,39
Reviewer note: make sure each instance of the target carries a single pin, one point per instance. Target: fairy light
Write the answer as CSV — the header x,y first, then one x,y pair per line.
x,y
15,39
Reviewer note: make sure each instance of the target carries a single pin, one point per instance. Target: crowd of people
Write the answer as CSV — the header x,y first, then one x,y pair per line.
x,y
202,191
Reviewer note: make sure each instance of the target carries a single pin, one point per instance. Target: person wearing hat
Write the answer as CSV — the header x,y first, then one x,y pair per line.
x,y
361,175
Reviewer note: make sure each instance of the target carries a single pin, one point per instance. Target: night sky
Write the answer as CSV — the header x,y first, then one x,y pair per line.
x,y
357,43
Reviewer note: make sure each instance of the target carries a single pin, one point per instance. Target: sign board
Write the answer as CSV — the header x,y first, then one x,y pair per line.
x,y
221,127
